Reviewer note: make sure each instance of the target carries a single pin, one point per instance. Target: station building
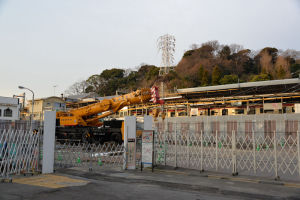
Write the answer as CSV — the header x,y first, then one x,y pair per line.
x,y
251,98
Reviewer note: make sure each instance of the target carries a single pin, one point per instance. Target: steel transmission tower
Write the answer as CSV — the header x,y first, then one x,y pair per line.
x,y
166,44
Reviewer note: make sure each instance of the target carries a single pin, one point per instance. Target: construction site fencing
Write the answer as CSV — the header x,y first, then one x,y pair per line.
x,y
249,147
20,124
91,156
19,152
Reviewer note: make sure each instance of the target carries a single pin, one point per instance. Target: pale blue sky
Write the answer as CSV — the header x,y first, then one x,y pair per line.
x,y
57,42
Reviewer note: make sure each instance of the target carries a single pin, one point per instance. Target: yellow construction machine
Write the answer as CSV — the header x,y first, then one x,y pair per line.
x,y
83,124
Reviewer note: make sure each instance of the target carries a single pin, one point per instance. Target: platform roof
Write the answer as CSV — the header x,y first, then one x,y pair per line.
x,y
241,85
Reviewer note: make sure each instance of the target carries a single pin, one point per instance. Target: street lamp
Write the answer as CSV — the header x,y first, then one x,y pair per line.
x,y
31,116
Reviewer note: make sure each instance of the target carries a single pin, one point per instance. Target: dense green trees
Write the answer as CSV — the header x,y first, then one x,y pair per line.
x,y
111,80
261,77
229,79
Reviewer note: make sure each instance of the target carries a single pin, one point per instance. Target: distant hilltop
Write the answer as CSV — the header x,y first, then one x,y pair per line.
x,y
207,64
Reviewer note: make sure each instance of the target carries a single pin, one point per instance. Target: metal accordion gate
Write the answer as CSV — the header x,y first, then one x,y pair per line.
x,y
19,152
256,150
89,156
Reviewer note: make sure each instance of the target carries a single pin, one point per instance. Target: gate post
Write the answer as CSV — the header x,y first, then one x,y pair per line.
x,y
216,139
188,147
201,151
275,157
165,148
298,149
147,159
130,142
253,150
233,149
176,144
49,142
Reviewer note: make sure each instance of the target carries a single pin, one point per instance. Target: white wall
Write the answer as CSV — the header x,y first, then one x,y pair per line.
x,y
11,103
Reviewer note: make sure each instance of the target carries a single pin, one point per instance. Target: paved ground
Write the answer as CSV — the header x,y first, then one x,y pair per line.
x,y
81,184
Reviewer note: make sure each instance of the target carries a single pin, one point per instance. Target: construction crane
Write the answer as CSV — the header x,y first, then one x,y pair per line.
x,y
83,124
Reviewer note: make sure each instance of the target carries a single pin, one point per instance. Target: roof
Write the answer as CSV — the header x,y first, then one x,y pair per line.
x,y
47,98
82,96
107,97
9,100
241,85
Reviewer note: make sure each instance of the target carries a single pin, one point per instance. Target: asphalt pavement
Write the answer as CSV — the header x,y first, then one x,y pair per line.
x,y
163,183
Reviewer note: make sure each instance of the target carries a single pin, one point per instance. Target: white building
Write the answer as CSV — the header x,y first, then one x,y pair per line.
x,y
9,108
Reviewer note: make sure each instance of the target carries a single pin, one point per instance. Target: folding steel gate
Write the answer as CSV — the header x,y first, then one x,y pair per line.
x,y
249,152
91,156
19,152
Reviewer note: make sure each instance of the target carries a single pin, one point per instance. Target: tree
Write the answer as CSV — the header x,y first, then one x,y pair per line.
x,y
216,75
229,79
113,73
95,83
261,77
283,65
281,73
200,74
204,80
241,61
78,87
225,53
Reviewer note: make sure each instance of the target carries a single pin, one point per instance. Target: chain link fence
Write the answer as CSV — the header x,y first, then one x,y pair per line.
x,y
266,147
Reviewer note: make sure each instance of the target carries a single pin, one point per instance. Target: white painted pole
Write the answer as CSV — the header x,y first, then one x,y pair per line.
x,y
49,142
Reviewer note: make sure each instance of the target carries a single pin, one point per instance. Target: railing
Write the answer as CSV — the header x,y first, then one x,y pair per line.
x,y
257,149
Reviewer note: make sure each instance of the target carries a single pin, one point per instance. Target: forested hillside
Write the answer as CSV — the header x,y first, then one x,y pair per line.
x,y
207,64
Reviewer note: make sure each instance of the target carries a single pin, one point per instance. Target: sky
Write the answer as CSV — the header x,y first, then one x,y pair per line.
x,y
56,43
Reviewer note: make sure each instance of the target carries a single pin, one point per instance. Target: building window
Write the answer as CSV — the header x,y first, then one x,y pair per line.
x,y
7,112
225,112
239,111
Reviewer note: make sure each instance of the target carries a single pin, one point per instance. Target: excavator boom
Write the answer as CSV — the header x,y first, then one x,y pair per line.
x,y
89,115
84,124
